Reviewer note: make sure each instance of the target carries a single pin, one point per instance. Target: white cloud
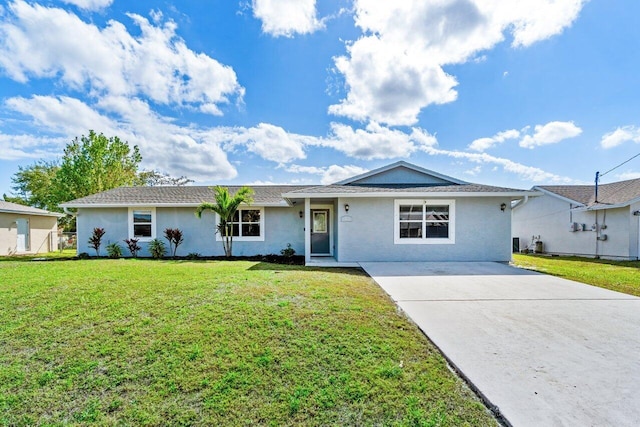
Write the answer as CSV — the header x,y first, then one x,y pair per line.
x,y
620,136
330,174
47,42
628,175
523,171
396,68
550,133
168,147
19,147
90,4
483,144
287,17
375,141
271,142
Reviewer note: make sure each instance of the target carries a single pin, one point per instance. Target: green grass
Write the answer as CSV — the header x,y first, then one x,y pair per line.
x,y
621,276
141,342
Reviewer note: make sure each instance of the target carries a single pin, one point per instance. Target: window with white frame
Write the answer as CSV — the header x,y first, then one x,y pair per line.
x,y
247,224
424,221
142,223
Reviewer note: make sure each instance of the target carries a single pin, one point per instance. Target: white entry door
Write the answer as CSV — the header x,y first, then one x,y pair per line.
x,y
22,244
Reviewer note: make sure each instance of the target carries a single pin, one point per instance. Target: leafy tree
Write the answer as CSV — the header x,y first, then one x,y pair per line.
x,y
226,206
93,164
32,185
155,179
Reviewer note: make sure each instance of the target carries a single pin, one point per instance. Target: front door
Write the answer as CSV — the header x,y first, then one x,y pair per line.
x,y
22,244
321,232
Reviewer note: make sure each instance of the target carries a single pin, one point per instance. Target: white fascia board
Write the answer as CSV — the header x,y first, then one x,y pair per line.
x,y
55,214
398,194
557,196
282,204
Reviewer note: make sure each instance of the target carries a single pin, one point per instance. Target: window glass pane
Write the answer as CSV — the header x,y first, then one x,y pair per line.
x,y
142,230
319,222
250,229
252,215
410,230
141,216
437,230
437,213
236,216
411,212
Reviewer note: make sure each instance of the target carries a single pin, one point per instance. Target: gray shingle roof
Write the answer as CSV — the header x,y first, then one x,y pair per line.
x,y
399,188
184,195
615,193
8,207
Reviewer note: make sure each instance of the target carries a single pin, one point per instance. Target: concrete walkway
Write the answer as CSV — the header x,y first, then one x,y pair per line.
x,y
545,351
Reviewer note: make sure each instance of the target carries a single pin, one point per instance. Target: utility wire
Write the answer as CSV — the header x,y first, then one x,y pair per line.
x,y
625,162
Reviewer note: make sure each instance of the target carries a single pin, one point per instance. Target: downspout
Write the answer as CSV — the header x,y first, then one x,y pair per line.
x,y
68,212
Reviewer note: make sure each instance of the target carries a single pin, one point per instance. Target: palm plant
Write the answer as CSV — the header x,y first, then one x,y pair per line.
x,y
226,205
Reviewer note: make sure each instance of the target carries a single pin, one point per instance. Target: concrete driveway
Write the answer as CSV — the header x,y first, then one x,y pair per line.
x,y
545,351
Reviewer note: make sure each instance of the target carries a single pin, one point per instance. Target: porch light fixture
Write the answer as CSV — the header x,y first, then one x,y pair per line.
x,y
346,207
301,214
636,213
503,207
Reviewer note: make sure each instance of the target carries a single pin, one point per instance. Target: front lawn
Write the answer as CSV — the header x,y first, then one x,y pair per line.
x,y
142,342
621,276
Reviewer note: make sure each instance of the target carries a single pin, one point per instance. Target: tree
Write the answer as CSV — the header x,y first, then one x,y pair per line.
x,y
93,164
32,185
154,178
226,206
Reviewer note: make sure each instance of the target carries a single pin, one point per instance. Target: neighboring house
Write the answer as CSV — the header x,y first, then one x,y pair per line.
x,y
568,220
400,212
27,230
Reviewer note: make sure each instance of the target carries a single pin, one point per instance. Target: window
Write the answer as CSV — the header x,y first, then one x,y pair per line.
x,y
424,221
247,224
142,223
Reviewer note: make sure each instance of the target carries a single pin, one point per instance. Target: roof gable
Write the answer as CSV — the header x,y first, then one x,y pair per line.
x,y
401,173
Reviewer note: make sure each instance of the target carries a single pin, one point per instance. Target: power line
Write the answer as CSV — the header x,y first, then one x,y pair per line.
x,y
625,162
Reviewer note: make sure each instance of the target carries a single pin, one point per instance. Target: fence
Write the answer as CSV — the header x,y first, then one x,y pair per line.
x,y
67,241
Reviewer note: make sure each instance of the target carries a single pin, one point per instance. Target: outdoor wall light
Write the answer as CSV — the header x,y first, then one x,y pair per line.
x,y
636,213
503,207
301,214
346,207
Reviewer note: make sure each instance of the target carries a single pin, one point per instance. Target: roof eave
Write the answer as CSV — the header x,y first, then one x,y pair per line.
x,y
282,204
54,214
413,194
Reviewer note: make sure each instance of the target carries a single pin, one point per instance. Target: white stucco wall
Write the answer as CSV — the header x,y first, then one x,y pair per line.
x,y
482,233
550,218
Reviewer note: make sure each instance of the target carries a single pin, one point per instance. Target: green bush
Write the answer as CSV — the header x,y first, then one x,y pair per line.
x,y
114,250
157,248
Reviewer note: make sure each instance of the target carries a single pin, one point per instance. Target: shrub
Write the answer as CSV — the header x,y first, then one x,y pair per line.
x,y
114,250
96,239
157,248
288,252
83,255
175,238
132,244
193,255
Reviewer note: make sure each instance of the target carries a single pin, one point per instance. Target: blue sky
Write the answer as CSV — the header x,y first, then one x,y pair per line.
x,y
508,93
